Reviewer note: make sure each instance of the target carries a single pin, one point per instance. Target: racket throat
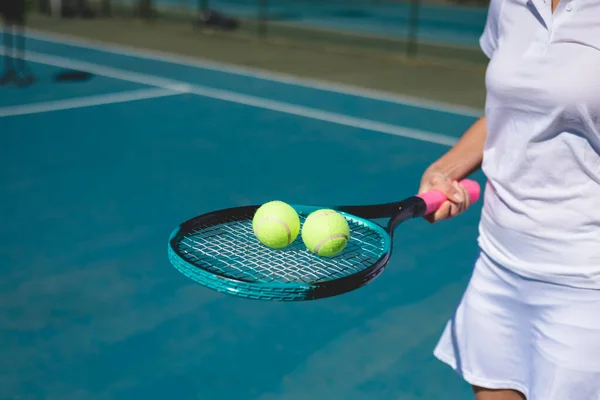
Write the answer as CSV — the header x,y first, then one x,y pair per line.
x,y
411,208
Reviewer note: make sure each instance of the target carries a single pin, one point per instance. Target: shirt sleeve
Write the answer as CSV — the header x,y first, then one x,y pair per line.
x,y
491,33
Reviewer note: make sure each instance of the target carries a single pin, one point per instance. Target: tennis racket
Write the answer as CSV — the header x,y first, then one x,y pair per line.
x,y
220,251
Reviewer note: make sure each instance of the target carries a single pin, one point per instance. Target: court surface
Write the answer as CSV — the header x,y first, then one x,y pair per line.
x,y
95,175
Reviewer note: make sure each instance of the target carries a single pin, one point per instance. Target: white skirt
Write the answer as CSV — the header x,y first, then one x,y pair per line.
x,y
510,332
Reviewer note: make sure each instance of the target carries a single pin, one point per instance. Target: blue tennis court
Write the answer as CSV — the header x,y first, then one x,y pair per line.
x,y
96,174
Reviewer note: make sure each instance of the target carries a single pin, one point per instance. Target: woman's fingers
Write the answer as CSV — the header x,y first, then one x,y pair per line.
x,y
458,197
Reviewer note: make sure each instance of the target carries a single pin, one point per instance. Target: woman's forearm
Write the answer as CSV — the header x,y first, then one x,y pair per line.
x,y
466,155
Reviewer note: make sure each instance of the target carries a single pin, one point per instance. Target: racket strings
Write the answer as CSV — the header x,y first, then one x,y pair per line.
x,y
230,249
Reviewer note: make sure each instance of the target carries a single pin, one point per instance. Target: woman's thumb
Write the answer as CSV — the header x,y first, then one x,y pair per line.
x,y
454,193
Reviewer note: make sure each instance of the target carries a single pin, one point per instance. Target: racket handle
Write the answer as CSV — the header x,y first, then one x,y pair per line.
x,y
434,199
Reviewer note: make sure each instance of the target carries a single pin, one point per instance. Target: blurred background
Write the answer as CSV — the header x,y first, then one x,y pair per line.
x,y
427,48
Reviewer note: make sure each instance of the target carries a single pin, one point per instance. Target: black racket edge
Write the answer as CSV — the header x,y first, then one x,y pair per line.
x,y
398,212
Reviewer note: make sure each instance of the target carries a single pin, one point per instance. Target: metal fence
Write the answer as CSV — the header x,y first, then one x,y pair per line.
x,y
400,27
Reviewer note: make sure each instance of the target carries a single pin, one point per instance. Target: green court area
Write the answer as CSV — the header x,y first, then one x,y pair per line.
x,y
444,74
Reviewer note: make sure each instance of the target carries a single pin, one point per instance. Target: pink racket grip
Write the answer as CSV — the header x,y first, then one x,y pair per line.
x,y
434,199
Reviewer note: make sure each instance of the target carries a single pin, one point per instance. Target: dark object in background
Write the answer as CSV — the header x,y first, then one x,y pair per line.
x,y
43,7
12,12
68,8
73,76
145,9
105,8
13,35
217,20
75,9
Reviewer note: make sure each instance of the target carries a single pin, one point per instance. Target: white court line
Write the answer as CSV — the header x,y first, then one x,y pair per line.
x,y
239,98
88,101
256,73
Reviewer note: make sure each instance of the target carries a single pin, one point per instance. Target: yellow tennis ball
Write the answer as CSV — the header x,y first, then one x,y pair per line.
x,y
325,232
276,224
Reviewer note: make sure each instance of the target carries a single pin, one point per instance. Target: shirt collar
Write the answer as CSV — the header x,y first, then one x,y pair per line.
x,y
542,10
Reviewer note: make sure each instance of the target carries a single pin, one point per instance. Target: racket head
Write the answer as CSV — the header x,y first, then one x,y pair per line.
x,y
220,251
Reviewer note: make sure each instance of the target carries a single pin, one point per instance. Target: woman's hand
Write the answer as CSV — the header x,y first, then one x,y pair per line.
x,y
458,197
463,159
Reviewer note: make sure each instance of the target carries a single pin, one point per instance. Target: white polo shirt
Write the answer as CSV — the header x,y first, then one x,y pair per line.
x,y
541,215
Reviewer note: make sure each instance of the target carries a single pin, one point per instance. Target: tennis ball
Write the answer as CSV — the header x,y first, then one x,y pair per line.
x,y
325,232
276,224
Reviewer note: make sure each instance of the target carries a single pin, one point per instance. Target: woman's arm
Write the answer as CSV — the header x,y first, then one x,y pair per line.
x,y
466,155
464,158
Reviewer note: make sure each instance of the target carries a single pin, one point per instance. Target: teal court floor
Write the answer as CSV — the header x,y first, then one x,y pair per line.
x,y
95,175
